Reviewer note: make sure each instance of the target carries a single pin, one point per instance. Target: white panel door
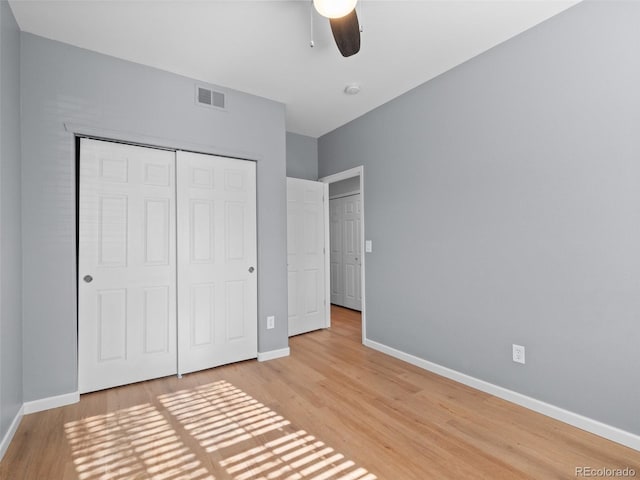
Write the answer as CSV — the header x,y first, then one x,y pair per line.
x,y
306,255
351,252
346,251
217,280
126,265
336,206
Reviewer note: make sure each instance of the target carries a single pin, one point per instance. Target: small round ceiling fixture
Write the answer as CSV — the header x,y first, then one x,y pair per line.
x,y
334,8
352,89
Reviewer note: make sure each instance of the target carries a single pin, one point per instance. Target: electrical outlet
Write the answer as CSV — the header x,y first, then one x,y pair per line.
x,y
271,322
518,353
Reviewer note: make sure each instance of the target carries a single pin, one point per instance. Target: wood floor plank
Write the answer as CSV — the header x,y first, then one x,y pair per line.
x,y
334,409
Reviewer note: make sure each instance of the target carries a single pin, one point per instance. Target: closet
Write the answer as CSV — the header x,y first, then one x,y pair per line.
x,y
166,263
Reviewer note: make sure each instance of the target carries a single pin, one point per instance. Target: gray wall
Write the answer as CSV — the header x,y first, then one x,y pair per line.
x,y
302,156
10,229
62,84
503,201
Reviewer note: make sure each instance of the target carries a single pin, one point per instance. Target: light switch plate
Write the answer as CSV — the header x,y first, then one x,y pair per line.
x,y
368,246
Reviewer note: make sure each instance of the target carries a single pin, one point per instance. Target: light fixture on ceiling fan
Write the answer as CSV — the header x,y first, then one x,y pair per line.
x,y
334,8
344,23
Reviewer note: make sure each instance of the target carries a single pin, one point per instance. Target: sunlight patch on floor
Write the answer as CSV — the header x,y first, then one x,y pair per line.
x,y
133,443
251,441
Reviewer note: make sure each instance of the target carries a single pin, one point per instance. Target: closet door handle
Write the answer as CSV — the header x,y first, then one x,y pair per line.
x,y
251,269
88,278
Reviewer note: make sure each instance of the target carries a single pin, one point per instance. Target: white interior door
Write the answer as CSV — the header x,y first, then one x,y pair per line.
x,y
335,214
306,261
346,251
217,281
351,252
126,265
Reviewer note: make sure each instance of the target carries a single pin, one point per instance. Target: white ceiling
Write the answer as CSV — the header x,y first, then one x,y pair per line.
x,y
262,47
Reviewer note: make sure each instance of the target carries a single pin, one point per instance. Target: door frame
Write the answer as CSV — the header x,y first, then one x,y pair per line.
x,y
336,177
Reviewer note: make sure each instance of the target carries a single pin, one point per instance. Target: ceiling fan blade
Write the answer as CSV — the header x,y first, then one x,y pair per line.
x,y
346,32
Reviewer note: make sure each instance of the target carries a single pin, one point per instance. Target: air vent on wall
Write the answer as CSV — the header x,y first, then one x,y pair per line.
x,y
209,98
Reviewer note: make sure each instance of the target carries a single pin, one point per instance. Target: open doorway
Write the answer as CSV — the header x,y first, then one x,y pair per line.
x,y
345,213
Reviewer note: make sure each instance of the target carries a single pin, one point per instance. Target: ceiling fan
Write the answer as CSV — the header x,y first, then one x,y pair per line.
x,y
344,23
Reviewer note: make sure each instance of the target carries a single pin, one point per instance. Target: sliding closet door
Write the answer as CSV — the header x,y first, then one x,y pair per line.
x,y
217,280
126,265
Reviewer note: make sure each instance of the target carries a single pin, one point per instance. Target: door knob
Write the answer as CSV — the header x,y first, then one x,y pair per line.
x,y
251,269
88,278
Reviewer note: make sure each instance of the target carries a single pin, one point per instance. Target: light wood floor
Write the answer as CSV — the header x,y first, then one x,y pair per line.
x,y
332,410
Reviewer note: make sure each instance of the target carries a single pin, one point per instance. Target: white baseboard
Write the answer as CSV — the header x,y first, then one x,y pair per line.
x,y
6,440
51,402
273,354
598,428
